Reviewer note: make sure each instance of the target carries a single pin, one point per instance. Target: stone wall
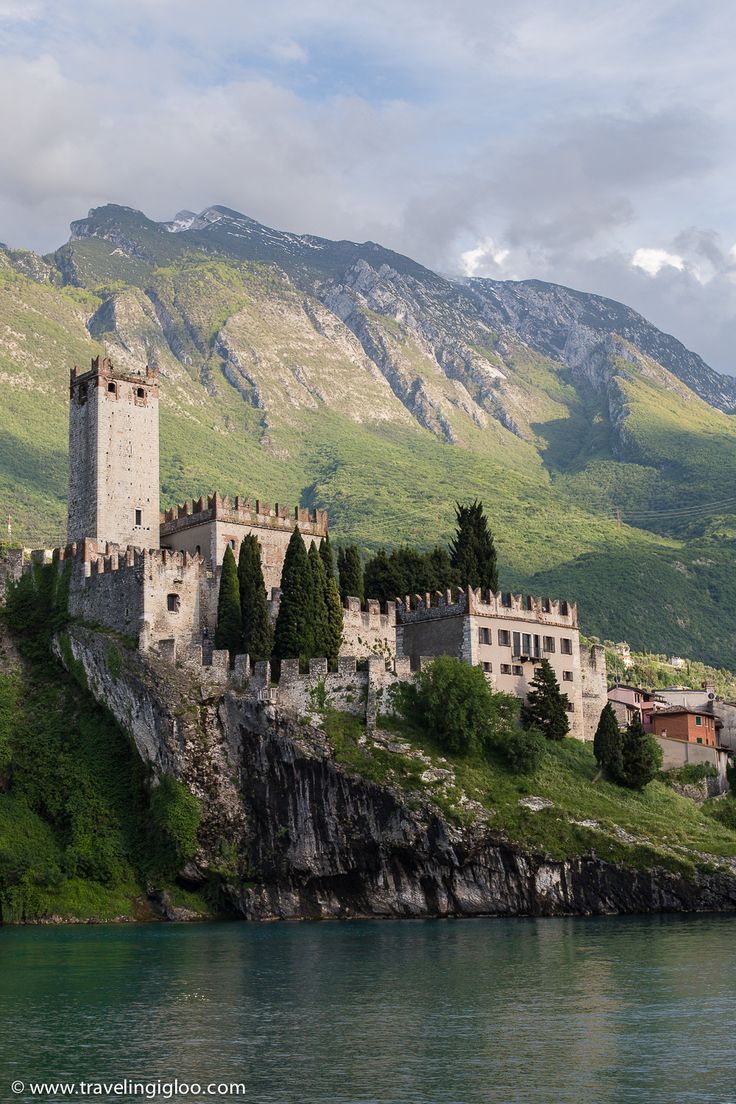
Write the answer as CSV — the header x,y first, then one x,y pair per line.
x,y
594,688
11,568
369,631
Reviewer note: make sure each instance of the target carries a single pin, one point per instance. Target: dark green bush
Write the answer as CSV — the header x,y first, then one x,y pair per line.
x,y
524,750
175,817
453,704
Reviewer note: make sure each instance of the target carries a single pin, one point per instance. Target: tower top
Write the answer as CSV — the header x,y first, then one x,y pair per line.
x,y
102,368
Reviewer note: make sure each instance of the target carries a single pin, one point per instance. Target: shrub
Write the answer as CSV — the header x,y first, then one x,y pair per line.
x,y
723,810
524,750
607,743
453,703
641,757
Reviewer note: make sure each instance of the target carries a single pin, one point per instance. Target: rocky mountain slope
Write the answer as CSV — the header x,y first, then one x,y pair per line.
x,y
352,378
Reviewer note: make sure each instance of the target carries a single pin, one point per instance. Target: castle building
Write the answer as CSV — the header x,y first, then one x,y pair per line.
x,y
508,635
113,456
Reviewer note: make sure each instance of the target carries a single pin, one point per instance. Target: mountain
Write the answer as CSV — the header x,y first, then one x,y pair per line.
x,y
352,378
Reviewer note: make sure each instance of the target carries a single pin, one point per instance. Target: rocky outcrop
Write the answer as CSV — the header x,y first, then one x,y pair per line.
x,y
314,840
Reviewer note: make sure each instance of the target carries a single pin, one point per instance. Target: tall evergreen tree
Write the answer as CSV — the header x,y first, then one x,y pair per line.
x,y
319,642
257,631
641,756
293,632
546,706
351,573
472,552
607,743
333,604
229,631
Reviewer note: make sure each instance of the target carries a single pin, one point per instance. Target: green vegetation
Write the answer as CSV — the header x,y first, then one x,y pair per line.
x,y
350,570
607,743
83,826
333,604
546,706
293,634
229,631
408,570
452,702
257,640
472,552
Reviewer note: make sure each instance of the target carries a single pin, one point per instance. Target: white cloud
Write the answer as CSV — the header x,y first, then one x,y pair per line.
x,y
653,260
288,51
477,261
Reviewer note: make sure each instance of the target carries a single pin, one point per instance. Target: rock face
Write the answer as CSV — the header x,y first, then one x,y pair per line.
x,y
316,841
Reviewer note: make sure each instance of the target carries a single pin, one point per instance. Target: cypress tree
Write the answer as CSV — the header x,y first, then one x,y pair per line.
x,y
546,706
607,743
351,573
333,604
293,632
319,636
641,756
229,631
472,552
257,631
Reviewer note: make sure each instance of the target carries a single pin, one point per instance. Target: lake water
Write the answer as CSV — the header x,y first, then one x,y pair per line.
x,y
549,1011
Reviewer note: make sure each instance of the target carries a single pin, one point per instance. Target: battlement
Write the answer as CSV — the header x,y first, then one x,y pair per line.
x,y
372,616
102,370
241,511
515,607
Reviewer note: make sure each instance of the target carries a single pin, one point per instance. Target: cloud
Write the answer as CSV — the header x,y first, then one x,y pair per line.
x,y
549,139
653,260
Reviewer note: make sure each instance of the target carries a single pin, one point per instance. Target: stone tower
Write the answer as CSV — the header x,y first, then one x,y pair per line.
x,y
113,456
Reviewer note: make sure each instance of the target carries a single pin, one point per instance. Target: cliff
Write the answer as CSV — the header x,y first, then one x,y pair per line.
x,y
293,832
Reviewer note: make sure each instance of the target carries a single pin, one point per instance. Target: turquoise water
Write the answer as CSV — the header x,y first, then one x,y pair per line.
x,y
552,1011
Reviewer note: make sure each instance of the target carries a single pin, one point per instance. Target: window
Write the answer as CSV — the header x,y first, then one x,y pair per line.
x,y
517,670
140,392
567,676
112,388
231,542
698,721
484,636
173,603
517,643
488,668
505,668
139,517
570,707
700,739
566,646
504,638
548,643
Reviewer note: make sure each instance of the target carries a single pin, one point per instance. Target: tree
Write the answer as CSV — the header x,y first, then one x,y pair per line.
x,y
319,636
256,623
546,707
641,756
453,703
333,604
472,552
293,632
407,571
229,631
351,573
607,743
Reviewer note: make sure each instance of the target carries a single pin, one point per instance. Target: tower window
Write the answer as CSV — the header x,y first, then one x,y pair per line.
x,y
173,603
83,393
139,517
140,392
112,388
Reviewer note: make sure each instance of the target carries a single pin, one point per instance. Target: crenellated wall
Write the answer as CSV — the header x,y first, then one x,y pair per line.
x,y
207,525
370,630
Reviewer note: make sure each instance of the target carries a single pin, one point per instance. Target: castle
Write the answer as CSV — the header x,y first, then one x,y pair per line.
x,y
155,577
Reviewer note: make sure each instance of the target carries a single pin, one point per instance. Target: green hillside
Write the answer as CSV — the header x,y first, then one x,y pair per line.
x,y
348,378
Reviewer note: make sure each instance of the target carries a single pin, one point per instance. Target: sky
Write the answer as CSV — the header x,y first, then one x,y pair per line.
x,y
585,142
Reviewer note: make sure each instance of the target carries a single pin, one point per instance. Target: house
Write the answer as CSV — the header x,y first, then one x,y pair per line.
x,y
631,702
689,736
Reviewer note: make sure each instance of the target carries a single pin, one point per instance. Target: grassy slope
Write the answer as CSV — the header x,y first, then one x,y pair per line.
x,y
73,804
655,827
